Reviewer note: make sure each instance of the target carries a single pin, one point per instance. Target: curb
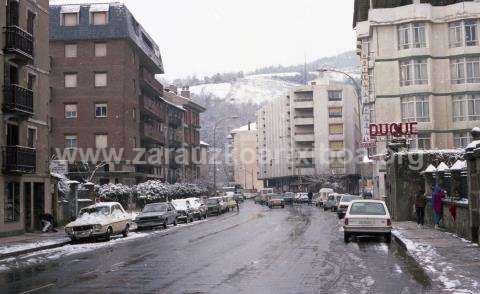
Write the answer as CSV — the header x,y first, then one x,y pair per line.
x,y
399,241
26,251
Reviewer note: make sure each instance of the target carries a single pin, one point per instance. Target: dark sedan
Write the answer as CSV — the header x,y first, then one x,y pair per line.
x,y
156,215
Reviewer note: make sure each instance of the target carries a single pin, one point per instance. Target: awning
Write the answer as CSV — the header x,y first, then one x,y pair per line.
x,y
99,7
70,9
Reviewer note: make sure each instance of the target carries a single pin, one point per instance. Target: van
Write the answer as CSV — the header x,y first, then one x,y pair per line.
x,y
323,196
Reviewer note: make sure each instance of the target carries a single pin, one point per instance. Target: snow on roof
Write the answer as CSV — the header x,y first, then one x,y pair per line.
x,y
459,165
443,167
204,143
73,182
100,204
70,9
253,127
366,159
433,151
430,169
474,144
102,7
173,104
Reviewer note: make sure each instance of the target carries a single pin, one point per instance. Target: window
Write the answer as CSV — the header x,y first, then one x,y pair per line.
x,y
466,107
31,81
70,110
69,19
101,79
413,72
71,80
415,108
337,163
335,112
335,95
335,129
12,202
336,145
461,140
422,142
471,32
31,137
71,141
100,49
70,50
101,110
31,22
101,141
465,70
99,18
455,34
412,35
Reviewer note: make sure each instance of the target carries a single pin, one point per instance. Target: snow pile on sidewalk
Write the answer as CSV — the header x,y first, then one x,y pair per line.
x,y
436,266
7,249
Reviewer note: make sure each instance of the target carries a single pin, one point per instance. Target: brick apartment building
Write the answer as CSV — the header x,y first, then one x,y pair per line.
x,y
24,69
193,156
105,94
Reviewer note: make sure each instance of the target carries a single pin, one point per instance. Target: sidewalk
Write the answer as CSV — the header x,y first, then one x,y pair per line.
x,y
445,257
30,242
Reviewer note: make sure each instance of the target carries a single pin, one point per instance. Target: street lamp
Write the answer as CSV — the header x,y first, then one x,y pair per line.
x,y
215,147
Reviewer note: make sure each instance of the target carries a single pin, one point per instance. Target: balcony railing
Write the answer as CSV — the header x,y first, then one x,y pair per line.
x,y
18,99
175,144
149,80
175,121
151,132
19,42
18,159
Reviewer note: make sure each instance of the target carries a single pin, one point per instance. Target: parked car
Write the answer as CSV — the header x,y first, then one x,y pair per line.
x,y
367,217
288,197
184,210
249,195
343,204
214,206
258,199
337,201
239,197
198,207
276,200
323,196
230,201
265,198
156,215
265,191
301,198
101,220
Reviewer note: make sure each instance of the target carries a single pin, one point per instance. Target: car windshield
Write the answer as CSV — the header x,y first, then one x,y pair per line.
x,y
212,201
331,198
367,208
155,208
348,198
97,209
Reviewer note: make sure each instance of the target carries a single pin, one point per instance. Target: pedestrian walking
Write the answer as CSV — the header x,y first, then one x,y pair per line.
x,y
310,197
420,203
437,198
238,204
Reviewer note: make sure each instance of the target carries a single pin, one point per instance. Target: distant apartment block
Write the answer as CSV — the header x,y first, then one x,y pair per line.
x,y
309,132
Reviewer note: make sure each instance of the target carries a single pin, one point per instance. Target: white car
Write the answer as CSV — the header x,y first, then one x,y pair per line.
x,y
184,210
101,220
367,217
301,198
343,204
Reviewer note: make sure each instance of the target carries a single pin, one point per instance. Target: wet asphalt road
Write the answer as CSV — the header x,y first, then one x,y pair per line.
x,y
298,249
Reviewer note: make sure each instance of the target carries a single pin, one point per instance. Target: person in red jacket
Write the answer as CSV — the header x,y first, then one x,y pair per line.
x,y
437,198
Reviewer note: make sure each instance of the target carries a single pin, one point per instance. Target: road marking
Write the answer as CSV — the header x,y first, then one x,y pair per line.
x,y
39,288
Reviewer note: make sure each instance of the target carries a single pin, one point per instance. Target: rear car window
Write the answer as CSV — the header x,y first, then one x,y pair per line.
x,y
366,208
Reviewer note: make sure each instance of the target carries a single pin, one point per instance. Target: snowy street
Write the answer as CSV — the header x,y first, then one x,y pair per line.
x,y
298,249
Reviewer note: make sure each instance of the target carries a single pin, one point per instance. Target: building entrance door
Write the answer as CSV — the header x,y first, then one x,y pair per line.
x,y
38,204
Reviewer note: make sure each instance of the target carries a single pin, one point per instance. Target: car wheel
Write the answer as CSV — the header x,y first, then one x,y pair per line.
x,y
73,240
126,231
175,223
109,233
346,237
388,238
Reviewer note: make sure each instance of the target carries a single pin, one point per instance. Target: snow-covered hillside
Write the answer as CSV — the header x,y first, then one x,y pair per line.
x,y
256,89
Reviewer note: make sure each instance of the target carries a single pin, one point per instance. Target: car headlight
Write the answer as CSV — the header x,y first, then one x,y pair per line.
x,y
97,227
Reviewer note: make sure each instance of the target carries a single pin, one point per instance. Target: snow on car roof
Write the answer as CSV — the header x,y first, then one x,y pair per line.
x,y
100,204
368,200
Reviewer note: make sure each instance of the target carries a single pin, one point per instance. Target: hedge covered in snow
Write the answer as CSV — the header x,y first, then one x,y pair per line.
x,y
149,191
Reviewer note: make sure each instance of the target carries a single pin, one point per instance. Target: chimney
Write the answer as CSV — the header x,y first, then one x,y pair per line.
x,y
185,92
249,125
173,89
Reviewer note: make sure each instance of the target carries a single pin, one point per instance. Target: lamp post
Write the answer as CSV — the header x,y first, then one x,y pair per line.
x,y
217,123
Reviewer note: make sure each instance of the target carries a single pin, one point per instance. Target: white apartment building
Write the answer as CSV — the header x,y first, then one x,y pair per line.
x,y
244,157
420,62
312,131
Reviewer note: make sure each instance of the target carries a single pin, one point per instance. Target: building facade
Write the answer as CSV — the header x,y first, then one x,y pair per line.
x,y
420,63
106,97
244,157
25,95
313,131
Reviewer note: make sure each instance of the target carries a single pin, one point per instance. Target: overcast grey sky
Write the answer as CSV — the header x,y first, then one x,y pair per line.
x,y
208,36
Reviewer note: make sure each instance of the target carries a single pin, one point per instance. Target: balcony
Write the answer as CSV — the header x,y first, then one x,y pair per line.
x,y
305,137
18,100
19,43
304,154
150,83
303,120
151,132
303,104
18,159
175,122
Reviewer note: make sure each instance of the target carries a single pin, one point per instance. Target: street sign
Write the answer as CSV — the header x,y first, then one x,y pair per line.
x,y
59,167
393,129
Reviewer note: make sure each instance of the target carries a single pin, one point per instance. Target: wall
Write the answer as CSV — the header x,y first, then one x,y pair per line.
x,y
459,226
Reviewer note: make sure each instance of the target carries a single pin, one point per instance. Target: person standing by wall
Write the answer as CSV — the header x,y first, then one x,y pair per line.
x,y
437,198
420,203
